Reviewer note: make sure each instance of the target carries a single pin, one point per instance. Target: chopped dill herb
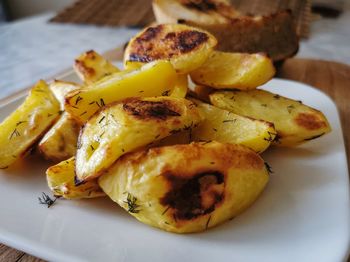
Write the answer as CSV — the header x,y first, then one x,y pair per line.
x,y
123,150
165,222
166,93
290,108
101,119
166,210
271,136
102,102
20,122
268,167
131,202
93,102
141,91
157,136
79,98
15,133
92,147
215,129
228,121
46,200
83,113
207,224
264,105
276,96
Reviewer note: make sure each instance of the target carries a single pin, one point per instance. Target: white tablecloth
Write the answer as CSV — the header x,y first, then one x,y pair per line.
x,y
31,49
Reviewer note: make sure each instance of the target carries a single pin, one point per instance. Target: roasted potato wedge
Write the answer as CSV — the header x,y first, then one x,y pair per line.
x,y
187,48
125,126
186,188
60,179
60,142
24,127
91,67
152,79
295,123
227,127
61,88
234,70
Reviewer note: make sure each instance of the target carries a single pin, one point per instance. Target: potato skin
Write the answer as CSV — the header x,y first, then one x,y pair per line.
x,y
186,188
185,47
295,122
128,125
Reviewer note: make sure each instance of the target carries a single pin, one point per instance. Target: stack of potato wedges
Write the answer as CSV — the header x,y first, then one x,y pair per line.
x,y
176,158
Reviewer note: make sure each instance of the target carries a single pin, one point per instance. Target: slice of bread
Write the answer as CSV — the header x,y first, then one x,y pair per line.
x,y
273,34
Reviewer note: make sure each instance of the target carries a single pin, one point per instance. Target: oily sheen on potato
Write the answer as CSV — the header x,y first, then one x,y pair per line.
x,y
185,47
125,126
186,188
295,122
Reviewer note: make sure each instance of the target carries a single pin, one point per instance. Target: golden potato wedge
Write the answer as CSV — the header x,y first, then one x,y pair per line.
x,y
295,123
24,127
227,127
234,70
152,79
186,188
185,47
91,67
60,142
60,179
125,126
61,88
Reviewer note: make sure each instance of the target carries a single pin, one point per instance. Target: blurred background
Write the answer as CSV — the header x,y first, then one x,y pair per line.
x,y
39,39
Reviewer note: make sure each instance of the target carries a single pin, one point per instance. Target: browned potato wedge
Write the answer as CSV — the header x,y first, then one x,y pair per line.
x,y
125,126
185,47
60,179
91,67
152,79
234,70
24,127
60,142
295,123
186,188
61,88
225,127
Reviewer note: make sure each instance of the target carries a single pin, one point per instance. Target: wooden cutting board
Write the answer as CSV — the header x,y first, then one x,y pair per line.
x,y
330,77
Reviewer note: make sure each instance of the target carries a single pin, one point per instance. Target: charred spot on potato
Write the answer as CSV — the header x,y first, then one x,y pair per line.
x,y
309,121
150,34
196,196
189,40
84,68
150,109
202,5
153,44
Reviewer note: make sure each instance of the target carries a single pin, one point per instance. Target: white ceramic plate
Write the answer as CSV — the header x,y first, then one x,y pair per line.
x,y
303,215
